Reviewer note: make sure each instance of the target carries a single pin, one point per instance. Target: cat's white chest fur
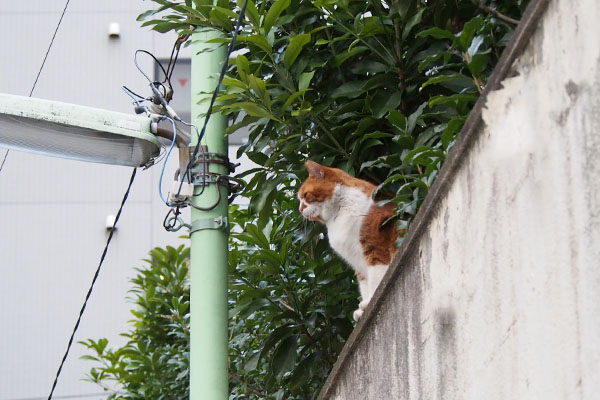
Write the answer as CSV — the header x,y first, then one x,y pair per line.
x,y
344,228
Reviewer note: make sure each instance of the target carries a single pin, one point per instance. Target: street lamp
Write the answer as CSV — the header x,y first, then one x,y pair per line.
x,y
77,132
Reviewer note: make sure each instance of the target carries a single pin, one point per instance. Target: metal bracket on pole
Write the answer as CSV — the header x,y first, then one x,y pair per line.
x,y
206,157
201,180
210,223
200,175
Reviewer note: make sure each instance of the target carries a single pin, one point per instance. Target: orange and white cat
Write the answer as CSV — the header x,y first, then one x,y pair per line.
x,y
353,219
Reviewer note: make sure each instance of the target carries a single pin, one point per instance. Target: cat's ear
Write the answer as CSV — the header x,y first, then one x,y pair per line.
x,y
315,170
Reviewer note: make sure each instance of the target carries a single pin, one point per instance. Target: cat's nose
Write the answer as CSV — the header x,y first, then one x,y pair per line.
x,y
302,206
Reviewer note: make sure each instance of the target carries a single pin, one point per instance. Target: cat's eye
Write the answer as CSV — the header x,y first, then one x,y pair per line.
x,y
309,197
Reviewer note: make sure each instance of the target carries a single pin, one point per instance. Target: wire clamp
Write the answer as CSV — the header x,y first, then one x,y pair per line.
x,y
173,224
201,224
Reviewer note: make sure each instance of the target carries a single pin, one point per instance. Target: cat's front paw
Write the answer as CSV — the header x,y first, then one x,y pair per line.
x,y
363,305
357,314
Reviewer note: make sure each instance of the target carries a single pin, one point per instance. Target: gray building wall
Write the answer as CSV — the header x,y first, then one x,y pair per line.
x,y
494,294
53,211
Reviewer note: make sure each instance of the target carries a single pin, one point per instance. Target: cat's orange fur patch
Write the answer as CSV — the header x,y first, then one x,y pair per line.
x,y
378,241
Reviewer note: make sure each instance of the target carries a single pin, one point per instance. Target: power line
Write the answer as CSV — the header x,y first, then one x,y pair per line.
x,y
112,230
41,67
49,47
68,396
4,159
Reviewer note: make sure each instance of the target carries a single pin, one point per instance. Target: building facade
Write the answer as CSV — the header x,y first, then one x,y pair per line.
x,y
54,211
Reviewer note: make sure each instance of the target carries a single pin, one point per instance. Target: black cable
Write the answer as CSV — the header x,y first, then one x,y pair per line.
x,y
4,160
112,230
173,58
216,203
131,92
41,67
49,47
171,65
140,68
155,84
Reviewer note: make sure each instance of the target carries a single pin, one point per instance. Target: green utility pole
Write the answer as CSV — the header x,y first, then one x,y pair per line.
x,y
208,371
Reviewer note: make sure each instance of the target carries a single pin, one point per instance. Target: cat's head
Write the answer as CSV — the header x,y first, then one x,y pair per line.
x,y
319,195
316,193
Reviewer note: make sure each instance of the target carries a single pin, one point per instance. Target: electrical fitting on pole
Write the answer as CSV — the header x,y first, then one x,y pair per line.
x,y
193,161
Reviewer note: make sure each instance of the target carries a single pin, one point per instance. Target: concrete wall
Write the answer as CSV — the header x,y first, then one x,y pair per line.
x,y
495,293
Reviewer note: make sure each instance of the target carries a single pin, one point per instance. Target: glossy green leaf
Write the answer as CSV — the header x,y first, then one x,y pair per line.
x,y
412,118
385,101
401,8
411,23
274,12
368,67
375,135
258,41
456,82
258,235
255,110
252,362
164,27
478,64
398,120
221,17
303,370
243,66
201,3
349,89
277,335
149,13
290,100
294,48
438,33
234,82
341,58
304,80
469,31
284,357
454,125
260,89
251,13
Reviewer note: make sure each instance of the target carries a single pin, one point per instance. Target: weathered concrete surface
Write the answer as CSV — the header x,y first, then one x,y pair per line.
x,y
496,291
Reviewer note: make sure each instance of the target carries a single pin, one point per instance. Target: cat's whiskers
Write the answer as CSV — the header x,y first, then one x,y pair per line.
x,y
305,225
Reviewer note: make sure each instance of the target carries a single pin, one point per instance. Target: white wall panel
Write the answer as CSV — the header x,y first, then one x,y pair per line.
x,y
52,211
47,266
